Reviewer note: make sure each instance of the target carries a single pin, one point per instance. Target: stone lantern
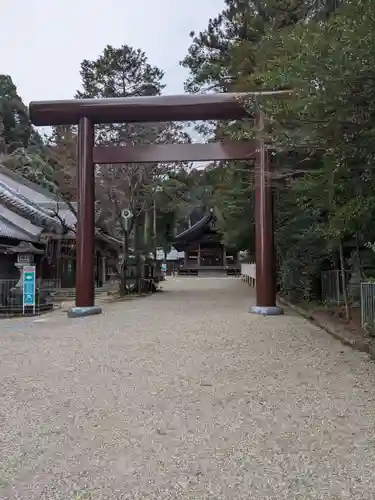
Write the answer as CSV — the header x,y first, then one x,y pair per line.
x,y
26,253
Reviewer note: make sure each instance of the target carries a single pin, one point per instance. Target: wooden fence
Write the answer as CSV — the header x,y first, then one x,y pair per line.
x,y
248,273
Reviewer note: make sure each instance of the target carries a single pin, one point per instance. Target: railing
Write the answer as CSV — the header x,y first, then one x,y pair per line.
x,y
248,273
332,291
11,297
368,307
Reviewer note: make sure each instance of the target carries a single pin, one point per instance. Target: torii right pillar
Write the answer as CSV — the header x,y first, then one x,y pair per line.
x,y
265,256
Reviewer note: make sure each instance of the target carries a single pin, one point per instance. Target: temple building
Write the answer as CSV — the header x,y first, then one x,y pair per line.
x,y
37,228
204,251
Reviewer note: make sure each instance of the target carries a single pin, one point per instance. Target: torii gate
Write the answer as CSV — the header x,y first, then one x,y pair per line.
x,y
189,107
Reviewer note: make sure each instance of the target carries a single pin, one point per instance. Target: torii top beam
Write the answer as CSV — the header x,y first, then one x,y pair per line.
x,y
187,107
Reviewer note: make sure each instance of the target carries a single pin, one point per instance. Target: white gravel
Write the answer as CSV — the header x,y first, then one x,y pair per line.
x,y
183,395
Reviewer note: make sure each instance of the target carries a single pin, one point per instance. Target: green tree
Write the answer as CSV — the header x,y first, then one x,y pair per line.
x,y
122,72
328,64
317,48
226,53
15,124
21,146
226,57
126,72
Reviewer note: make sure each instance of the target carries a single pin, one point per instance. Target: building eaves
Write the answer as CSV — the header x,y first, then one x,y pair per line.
x,y
10,230
193,231
28,209
49,212
19,179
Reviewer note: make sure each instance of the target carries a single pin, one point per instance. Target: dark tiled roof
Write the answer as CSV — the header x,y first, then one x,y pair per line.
x,y
194,232
27,208
9,230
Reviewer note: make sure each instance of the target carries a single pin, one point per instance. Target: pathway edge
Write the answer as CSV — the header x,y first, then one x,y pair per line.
x,y
344,338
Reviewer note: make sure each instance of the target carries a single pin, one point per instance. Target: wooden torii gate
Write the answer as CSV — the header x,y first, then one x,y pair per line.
x,y
189,107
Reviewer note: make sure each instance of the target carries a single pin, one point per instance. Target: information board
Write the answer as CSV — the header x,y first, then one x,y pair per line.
x,y
29,286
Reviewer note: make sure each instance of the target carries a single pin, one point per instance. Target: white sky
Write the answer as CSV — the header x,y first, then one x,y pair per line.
x,y
46,40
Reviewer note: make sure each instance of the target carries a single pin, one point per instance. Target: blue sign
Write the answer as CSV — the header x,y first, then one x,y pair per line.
x,y
164,268
29,286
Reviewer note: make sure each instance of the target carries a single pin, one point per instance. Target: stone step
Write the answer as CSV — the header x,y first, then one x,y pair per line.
x,y
70,293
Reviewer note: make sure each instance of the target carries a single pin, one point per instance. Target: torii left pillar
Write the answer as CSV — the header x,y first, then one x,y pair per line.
x,y
85,235
265,258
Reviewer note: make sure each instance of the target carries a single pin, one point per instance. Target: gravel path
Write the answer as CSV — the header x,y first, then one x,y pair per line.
x,y
183,395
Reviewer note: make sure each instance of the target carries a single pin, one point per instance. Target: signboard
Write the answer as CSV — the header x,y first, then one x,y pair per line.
x,y
28,286
25,258
164,268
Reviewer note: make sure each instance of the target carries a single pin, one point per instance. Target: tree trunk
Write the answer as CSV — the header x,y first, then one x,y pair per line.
x,y
358,247
343,283
124,265
154,229
146,230
137,252
166,251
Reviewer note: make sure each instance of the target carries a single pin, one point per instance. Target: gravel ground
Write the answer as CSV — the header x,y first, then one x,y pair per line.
x,y
183,395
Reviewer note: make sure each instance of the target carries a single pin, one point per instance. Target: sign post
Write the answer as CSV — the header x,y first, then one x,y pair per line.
x,y
164,270
28,274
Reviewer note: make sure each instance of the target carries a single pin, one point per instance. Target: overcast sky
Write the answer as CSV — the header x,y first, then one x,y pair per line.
x,y
46,40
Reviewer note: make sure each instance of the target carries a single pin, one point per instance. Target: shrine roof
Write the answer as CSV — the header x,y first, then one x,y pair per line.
x,y
195,231
9,230
27,210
